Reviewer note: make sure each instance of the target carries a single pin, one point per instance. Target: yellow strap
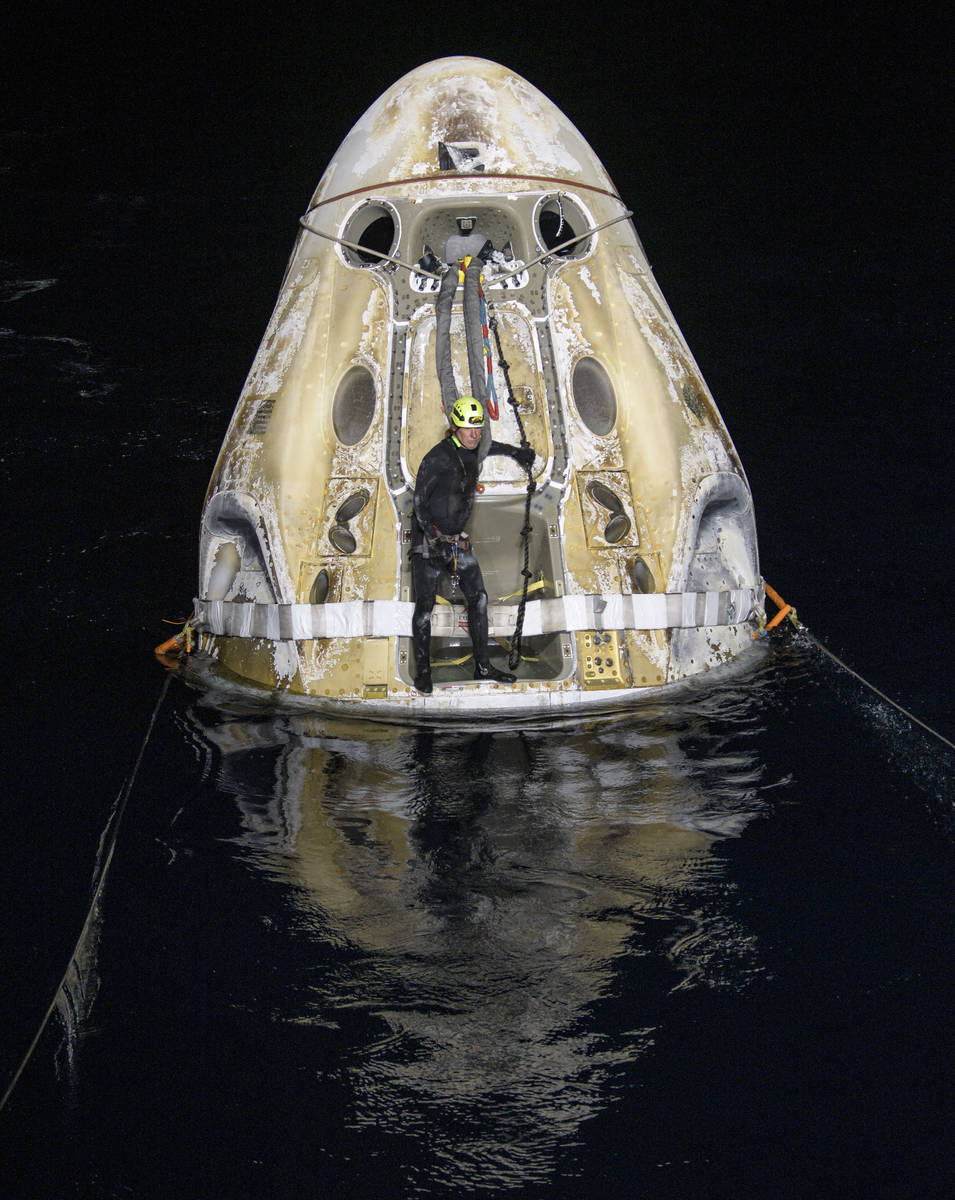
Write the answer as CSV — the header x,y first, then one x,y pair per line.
x,y
534,587
507,646
450,662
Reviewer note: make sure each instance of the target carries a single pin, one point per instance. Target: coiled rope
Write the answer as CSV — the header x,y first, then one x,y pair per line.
x,y
104,859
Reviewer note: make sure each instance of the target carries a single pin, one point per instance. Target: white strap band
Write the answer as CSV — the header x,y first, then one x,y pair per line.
x,y
386,618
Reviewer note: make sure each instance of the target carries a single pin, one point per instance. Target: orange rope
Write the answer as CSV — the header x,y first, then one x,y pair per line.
x,y
774,595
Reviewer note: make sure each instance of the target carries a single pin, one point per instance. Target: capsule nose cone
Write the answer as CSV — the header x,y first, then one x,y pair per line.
x,y
460,114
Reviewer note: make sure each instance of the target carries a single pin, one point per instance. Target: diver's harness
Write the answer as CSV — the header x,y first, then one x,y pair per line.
x,y
457,541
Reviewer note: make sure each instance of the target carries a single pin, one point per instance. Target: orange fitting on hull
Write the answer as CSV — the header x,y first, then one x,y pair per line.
x,y
785,610
173,644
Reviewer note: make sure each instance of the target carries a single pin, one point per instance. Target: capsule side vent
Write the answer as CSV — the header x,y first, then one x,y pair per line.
x,y
319,592
263,414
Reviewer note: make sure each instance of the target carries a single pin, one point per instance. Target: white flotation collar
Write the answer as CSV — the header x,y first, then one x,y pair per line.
x,y
392,618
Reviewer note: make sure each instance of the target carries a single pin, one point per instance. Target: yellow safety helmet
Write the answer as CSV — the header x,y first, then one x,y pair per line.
x,y
467,411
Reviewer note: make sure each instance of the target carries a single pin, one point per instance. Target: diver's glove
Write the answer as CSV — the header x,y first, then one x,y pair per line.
x,y
524,456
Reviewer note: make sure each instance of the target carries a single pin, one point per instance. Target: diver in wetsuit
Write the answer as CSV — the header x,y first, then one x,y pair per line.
x,y
443,500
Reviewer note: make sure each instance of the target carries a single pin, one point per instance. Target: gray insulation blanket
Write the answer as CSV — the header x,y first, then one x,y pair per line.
x,y
473,328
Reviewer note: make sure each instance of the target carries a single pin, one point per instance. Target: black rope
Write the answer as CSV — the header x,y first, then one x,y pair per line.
x,y
514,656
104,859
872,688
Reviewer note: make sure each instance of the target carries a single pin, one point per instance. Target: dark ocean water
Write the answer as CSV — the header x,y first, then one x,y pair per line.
x,y
700,950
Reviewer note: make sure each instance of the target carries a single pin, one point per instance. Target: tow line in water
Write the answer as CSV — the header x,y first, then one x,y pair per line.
x,y
786,610
104,859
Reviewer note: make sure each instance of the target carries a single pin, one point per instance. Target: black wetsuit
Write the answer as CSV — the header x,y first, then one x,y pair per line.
x,y
443,502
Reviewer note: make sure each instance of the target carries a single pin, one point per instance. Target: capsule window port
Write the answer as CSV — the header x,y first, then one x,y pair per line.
x,y
353,409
